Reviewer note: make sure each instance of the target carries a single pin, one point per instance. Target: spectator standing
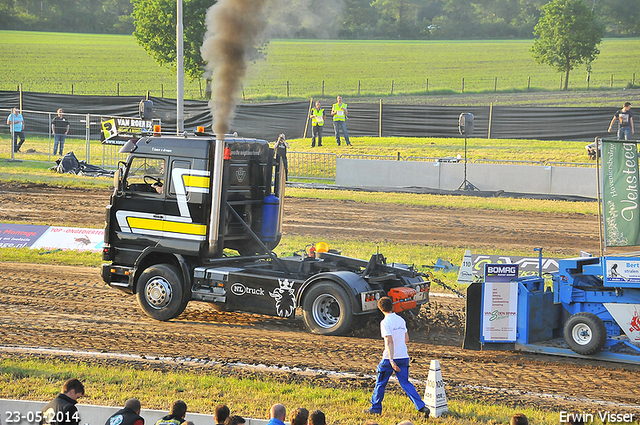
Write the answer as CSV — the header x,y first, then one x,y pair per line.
x,y
317,418
60,128
317,123
62,409
129,415
300,416
176,414
277,414
395,358
339,113
221,414
15,121
625,122
281,147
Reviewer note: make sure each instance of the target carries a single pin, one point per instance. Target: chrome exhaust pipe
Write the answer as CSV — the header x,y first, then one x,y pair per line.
x,y
216,194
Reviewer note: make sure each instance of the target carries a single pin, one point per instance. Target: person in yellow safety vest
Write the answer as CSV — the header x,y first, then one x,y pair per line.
x,y
339,114
317,122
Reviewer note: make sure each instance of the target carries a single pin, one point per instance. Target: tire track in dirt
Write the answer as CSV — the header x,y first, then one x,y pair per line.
x,y
69,307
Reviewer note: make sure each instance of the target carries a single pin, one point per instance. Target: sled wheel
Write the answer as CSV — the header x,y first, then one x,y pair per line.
x,y
585,333
326,309
161,293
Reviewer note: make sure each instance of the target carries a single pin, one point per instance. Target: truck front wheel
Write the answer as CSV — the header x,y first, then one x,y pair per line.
x,y
326,309
161,293
585,333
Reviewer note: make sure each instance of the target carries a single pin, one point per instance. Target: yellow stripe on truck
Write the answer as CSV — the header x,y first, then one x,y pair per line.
x,y
196,181
185,228
144,223
167,226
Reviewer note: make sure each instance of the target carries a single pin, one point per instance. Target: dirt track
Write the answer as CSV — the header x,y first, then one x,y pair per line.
x,y
42,306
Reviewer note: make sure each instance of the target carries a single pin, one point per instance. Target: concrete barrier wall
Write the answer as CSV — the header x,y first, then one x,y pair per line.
x,y
531,179
92,415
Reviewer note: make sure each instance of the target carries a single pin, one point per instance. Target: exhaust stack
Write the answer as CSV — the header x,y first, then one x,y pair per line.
x,y
216,195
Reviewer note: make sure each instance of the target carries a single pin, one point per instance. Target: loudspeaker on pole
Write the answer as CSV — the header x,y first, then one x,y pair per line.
x,y
434,395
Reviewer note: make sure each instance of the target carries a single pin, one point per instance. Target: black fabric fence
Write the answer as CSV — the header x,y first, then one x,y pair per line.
x,y
267,120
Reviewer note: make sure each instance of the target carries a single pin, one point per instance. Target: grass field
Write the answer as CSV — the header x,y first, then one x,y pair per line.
x,y
111,64
111,385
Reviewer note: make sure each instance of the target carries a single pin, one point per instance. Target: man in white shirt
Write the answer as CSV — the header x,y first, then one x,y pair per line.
x,y
395,358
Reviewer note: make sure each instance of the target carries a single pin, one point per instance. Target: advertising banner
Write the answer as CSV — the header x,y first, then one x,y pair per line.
x,y
116,131
620,193
500,303
78,239
622,272
20,235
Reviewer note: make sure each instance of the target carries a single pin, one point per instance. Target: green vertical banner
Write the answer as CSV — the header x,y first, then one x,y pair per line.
x,y
620,193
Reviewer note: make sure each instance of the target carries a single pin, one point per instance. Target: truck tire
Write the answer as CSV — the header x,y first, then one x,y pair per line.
x,y
326,309
161,292
585,333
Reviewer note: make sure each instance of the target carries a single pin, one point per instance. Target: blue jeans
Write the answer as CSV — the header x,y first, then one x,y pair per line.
x,y
624,133
337,125
58,138
384,373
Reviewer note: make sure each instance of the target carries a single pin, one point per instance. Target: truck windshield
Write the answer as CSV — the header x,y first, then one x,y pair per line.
x,y
146,175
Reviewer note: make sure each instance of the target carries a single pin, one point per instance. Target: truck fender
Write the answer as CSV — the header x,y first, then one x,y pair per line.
x,y
145,260
352,283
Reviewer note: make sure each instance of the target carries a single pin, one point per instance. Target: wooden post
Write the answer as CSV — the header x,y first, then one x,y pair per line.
x,y
322,87
391,86
358,87
427,85
200,84
495,85
162,90
633,82
287,88
117,89
20,90
611,82
71,89
490,119
528,83
462,84
380,120
148,94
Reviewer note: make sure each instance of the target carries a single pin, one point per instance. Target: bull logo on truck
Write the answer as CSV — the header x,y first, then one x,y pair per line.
x,y
285,298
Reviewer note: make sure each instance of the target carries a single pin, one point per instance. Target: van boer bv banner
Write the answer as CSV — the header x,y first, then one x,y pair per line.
x,y
620,193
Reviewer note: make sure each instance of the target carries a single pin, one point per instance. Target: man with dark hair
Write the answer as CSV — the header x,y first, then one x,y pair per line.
x,y
176,414
234,420
221,414
625,122
300,416
395,358
129,415
317,418
62,409
519,419
277,414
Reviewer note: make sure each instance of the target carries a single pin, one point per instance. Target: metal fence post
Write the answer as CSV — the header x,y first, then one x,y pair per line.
x,y
87,137
49,153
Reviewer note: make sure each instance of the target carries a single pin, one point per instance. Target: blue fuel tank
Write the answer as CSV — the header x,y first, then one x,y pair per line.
x,y
270,212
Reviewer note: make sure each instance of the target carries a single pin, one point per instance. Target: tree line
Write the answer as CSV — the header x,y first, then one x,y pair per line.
x,y
328,19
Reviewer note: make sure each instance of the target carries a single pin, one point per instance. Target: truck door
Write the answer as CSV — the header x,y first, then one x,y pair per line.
x,y
139,205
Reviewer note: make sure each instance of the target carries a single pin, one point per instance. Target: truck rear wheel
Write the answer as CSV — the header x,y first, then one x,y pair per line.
x,y
161,292
585,333
326,309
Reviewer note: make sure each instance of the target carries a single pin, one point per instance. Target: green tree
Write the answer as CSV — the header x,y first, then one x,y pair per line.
x,y
568,34
155,23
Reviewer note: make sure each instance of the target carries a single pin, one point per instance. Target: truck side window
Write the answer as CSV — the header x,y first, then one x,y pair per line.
x,y
179,164
146,175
